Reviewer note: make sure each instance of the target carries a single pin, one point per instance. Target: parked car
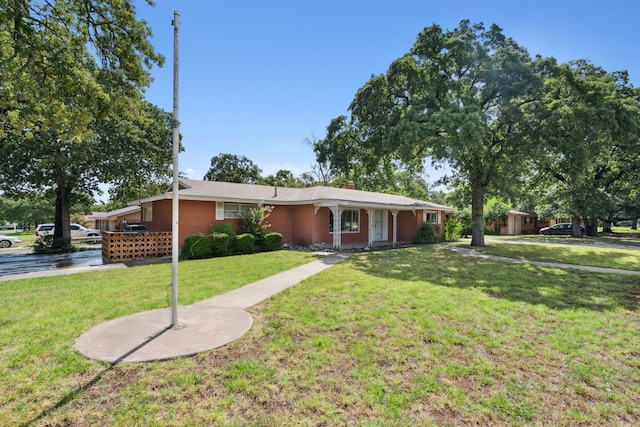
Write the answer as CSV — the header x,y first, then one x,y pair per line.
x,y
7,241
78,232
135,228
560,228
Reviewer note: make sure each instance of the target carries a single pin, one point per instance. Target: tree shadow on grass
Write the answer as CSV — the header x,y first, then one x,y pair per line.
x,y
73,394
555,288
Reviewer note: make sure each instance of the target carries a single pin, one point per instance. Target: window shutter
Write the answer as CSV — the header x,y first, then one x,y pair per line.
x,y
219,211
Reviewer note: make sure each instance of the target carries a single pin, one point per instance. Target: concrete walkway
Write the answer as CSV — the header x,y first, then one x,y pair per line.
x,y
474,253
202,326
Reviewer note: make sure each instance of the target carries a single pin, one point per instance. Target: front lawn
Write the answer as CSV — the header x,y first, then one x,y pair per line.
x,y
418,336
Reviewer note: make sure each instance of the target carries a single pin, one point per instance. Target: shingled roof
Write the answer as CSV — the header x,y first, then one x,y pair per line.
x,y
271,195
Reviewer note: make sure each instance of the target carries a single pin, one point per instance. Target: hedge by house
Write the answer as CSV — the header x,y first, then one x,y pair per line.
x,y
197,246
271,242
244,243
219,244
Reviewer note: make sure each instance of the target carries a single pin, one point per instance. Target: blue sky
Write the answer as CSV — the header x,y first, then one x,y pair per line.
x,y
257,78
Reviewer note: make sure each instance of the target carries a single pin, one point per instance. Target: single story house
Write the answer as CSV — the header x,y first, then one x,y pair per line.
x,y
519,223
338,217
115,220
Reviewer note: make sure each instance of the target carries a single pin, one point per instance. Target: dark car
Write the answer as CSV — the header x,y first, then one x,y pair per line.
x,y
135,228
561,228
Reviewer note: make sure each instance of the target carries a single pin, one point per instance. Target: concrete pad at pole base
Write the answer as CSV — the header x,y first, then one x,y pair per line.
x,y
149,336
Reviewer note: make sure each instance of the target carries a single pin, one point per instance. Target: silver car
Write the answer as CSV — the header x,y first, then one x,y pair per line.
x,y
7,241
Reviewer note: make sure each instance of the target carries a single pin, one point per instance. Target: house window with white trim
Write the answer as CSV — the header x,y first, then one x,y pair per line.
x,y
147,212
349,222
431,216
235,210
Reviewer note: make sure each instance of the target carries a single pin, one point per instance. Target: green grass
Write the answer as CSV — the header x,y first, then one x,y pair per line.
x,y
585,254
410,337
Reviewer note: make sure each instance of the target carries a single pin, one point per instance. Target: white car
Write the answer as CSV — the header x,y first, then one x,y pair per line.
x,y
7,241
78,232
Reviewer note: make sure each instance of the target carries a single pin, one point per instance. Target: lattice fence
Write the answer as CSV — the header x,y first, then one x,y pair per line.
x,y
117,246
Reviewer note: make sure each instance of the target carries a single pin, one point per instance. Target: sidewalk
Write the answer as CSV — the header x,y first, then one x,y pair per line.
x,y
202,326
474,253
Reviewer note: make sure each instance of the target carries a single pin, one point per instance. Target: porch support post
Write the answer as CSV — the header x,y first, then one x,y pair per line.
x,y
395,226
337,227
371,213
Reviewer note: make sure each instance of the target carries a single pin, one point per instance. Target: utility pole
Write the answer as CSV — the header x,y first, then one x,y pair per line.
x,y
175,211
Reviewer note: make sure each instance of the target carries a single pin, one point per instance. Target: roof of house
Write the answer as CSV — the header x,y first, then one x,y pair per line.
x,y
519,213
114,214
273,195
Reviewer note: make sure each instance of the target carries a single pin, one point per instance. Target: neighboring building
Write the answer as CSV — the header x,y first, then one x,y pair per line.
x,y
115,220
304,216
519,223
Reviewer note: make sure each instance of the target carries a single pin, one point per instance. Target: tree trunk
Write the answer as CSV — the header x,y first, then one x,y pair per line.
x,y
477,215
591,227
606,226
575,227
634,223
62,217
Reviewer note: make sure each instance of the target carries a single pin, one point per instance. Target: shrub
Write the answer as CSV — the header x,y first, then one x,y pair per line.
x,y
254,222
427,233
226,228
48,245
452,229
197,246
244,243
219,244
271,242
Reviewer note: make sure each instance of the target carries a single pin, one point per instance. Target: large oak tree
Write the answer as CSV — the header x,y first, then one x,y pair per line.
x,y
464,97
72,114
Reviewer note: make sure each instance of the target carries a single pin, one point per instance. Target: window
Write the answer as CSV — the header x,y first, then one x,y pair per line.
x,y
349,223
147,212
431,216
528,220
235,210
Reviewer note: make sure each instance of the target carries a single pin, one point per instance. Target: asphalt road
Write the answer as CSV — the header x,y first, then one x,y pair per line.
x,y
18,260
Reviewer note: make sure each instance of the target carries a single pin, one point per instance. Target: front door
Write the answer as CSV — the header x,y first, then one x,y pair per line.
x,y
380,225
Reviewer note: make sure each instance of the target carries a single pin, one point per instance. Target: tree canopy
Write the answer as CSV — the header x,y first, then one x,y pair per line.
x,y
227,167
72,112
464,97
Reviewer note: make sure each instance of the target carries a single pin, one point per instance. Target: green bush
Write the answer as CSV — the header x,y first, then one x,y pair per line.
x,y
219,244
197,246
48,245
254,222
452,229
427,233
227,228
244,243
224,228
271,242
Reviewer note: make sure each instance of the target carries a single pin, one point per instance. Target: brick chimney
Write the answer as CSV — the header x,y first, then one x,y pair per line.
x,y
350,185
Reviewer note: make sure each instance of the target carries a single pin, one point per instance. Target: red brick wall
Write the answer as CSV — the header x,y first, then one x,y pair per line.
x,y
299,225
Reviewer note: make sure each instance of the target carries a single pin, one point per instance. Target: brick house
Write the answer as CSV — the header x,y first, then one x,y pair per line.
x,y
304,216
115,220
519,223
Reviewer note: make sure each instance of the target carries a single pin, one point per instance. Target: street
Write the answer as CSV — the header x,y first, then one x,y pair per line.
x,y
13,261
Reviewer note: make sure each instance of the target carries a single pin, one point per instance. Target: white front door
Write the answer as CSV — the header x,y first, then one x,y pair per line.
x,y
380,225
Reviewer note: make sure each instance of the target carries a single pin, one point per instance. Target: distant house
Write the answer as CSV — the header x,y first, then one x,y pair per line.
x,y
337,217
115,220
519,223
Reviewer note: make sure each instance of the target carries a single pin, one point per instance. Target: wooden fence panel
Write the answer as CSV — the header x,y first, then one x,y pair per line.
x,y
119,246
